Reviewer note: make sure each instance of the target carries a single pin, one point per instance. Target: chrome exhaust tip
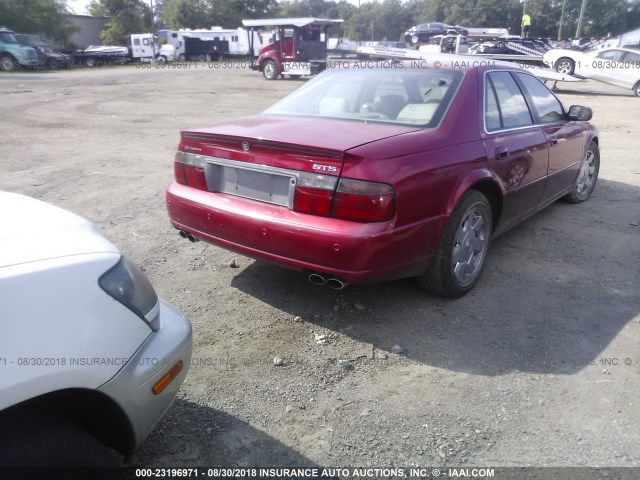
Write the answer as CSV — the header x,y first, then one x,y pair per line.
x,y
189,236
317,279
336,284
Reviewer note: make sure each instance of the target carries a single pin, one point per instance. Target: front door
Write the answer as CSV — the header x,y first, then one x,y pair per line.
x,y
516,147
566,139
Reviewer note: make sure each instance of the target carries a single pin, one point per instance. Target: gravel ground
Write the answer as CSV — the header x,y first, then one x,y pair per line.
x,y
527,370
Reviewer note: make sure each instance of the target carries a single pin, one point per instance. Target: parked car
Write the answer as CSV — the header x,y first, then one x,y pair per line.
x,y
90,357
423,32
13,55
367,175
502,46
615,66
48,57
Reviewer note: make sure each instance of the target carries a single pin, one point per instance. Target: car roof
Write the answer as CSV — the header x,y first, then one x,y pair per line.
x,y
34,230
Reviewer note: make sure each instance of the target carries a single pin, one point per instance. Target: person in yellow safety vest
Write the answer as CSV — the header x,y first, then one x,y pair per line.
x,y
526,26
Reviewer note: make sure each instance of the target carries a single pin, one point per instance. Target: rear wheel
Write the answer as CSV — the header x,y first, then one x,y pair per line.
x,y
587,177
565,65
90,62
636,90
415,39
463,247
7,63
270,70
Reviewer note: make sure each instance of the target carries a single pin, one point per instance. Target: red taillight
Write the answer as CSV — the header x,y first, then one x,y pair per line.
x,y
195,177
189,170
363,201
181,176
313,200
354,200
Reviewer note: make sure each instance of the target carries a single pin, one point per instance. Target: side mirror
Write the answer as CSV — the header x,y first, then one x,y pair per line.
x,y
580,113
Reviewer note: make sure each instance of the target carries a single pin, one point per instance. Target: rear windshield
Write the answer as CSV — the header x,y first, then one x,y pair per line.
x,y
402,96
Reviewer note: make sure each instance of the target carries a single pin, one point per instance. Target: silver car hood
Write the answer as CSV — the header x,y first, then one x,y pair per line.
x,y
32,230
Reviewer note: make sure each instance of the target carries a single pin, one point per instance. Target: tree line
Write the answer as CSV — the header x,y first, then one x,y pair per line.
x,y
370,20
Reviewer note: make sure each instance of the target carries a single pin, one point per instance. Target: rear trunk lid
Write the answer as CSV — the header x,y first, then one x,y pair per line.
x,y
297,143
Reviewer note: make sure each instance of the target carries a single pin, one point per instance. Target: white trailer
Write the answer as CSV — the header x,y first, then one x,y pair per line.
x,y
240,40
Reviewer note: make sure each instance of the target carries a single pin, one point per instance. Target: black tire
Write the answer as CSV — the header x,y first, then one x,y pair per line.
x,y
90,62
587,177
48,442
270,70
467,235
415,39
161,60
7,63
52,64
565,65
636,90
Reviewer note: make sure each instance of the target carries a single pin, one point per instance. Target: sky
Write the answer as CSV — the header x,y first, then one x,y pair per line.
x,y
79,7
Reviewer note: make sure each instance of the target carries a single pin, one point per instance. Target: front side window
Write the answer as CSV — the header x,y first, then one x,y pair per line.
x,y
508,105
7,38
547,105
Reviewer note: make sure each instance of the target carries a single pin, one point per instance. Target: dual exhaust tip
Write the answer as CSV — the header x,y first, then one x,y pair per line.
x,y
189,236
331,282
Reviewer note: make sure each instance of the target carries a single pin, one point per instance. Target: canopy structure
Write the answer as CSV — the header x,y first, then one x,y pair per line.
x,y
296,22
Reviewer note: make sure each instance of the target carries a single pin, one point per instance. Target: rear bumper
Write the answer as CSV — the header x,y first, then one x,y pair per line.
x,y
131,387
354,252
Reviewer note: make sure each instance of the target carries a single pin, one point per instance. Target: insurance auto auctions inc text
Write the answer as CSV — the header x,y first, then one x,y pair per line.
x,y
383,473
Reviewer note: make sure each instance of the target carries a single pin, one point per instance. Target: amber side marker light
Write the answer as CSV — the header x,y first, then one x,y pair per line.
x,y
164,382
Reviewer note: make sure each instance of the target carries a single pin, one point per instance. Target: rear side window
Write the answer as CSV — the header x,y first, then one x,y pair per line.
x,y
508,108
612,55
547,105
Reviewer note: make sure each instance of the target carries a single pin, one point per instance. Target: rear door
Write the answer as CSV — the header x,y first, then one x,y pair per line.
x,y
630,75
566,139
605,66
515,145
136,46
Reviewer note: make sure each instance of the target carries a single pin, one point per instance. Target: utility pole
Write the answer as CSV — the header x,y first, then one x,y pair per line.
x,y
582,8
153,33
561,19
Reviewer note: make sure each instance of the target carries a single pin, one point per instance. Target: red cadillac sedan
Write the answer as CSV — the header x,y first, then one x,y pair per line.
x,y
364,174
